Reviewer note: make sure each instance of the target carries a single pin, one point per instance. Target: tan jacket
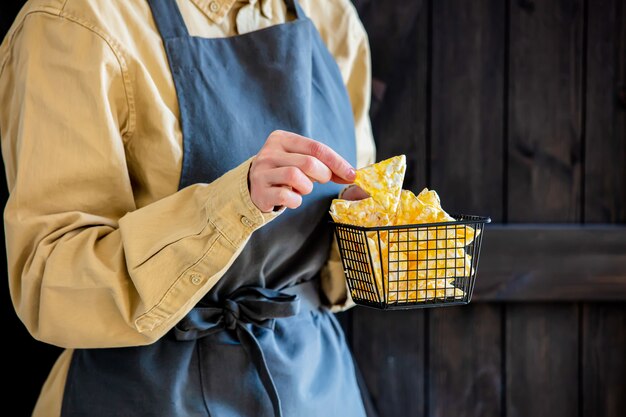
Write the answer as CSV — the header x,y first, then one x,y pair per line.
x,y
103,249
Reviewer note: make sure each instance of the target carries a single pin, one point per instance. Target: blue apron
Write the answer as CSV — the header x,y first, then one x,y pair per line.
x,y
259,343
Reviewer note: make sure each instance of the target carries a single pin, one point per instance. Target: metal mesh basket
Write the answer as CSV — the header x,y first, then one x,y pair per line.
x,y
412,266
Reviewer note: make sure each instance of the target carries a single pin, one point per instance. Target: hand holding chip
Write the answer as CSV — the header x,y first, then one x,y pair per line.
x,y
288,165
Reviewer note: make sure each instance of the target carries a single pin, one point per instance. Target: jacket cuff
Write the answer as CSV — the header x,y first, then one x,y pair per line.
x,y
231,209
189,240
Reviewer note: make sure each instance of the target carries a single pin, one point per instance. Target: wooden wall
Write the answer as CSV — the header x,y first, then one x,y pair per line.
x,y
515,110
508,108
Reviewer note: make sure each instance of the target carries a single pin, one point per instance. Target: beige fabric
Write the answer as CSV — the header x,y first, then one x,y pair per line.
x,y
103,249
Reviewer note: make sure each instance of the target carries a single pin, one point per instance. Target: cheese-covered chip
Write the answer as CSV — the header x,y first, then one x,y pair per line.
x,y
412,264
411,210
417,276
375,252
463,234
423,290
431,199
366,212
383,181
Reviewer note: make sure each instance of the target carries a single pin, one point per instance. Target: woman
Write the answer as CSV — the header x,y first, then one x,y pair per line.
x,y
170,166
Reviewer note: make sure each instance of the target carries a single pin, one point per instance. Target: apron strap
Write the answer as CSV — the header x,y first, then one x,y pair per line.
x,y
254,351
168,19
258,307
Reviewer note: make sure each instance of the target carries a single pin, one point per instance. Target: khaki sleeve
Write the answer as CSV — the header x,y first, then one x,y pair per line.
x,y
352,53
87,268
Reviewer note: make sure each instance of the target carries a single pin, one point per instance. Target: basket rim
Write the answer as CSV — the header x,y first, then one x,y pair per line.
x,y
470,219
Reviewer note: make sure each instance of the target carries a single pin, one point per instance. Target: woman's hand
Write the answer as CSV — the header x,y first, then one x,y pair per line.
x,y
287,166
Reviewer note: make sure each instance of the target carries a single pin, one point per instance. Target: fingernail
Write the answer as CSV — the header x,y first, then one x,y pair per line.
x,y
351,174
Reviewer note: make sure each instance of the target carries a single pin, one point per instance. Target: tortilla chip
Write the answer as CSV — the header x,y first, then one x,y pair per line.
x,y
366,213
383,181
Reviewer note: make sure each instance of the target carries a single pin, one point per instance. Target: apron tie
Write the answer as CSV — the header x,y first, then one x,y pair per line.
x,y
247,305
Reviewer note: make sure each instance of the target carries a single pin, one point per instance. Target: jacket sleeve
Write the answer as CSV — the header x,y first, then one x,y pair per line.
x,y
87,267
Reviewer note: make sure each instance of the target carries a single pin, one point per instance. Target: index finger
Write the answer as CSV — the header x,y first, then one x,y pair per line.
x,y
342,170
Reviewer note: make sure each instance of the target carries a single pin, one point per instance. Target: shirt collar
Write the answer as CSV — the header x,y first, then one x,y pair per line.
x,y
214,9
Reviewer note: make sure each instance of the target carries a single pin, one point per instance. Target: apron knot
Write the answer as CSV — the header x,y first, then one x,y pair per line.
x,y
248,305
257,306
231,314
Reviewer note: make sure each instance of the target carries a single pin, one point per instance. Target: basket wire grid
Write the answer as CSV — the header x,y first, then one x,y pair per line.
x,y
412,266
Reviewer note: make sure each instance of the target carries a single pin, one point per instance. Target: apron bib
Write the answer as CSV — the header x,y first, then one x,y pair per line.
x,y
259,343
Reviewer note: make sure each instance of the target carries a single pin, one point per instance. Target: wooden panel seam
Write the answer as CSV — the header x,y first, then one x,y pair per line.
x,y
552,263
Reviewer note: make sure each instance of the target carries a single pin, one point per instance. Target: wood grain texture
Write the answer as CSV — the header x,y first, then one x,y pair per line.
x,y
398,33
345,320
389,349
545,93
389,25
604,360
552,263
467,105
542,360
465,361
605,144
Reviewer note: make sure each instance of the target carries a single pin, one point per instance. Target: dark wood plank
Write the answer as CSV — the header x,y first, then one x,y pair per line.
x,y
544,169
389,350
465,361
542,360
467,105
398,37
605,145
389,25
559,262
345,320
604,360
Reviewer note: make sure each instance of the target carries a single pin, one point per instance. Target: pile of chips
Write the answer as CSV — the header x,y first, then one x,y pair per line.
x,y
415,264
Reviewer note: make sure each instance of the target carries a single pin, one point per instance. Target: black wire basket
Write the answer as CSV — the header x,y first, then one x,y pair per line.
x,y
412,266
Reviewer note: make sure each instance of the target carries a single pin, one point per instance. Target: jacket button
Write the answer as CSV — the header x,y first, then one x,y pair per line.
x,y
214,7
246,221
196,278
